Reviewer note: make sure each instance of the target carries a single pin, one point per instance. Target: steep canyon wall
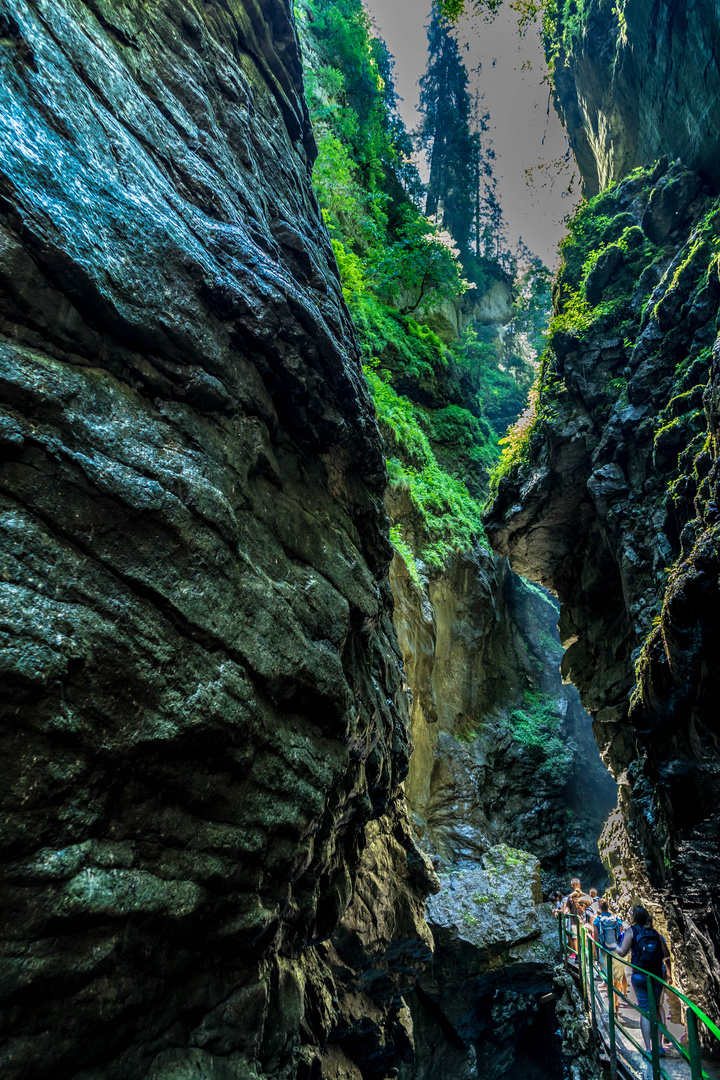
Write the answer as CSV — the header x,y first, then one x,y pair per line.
x,y
208,867
204,721
482,658
613,504
635,80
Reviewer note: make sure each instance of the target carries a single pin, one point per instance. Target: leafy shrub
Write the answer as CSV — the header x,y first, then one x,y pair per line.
x,y
405,552
398,343
536,728
449,516
351,269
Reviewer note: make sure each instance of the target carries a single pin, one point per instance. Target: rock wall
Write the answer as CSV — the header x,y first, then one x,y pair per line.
x,y
485,1008
614,508
614,505
636,80
202,699
482,654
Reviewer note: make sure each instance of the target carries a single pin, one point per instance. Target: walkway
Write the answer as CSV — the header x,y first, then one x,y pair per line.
x,y
683,1061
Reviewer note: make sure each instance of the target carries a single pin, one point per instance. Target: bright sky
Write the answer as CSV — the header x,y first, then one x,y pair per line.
x,y
508,71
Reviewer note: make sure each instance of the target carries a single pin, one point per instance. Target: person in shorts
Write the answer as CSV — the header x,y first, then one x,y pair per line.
x,y
650,952
607,931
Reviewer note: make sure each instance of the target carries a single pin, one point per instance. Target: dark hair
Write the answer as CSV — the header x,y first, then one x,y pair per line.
x,y
604,905
558,896
640,915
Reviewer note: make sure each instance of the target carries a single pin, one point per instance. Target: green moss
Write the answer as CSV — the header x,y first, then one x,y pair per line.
x,y
449,516
693,267
401,429
406,554
398,344
536,728
516,444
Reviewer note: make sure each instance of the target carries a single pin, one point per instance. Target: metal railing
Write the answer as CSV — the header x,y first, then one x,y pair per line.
x,y
594,972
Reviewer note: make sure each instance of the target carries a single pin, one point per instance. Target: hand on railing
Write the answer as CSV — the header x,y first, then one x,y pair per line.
x,y
593,973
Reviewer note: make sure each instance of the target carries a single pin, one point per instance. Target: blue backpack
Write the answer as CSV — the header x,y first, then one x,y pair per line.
x,y
609,930
647,950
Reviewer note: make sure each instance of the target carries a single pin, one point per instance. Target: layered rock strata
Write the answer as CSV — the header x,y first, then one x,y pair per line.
x,y
614,508
202,700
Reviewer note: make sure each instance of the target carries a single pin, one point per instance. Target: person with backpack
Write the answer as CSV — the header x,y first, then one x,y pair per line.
x,y
571,906
649,952
607,931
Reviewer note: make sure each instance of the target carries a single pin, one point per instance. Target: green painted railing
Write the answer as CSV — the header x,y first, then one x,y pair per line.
x,y
593,973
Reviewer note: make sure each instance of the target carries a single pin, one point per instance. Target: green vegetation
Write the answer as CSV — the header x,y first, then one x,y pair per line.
x,y
449,515
441,407
536,728
604,258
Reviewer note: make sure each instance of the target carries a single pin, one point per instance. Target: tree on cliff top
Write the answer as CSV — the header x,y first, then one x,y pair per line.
x,y
445,132
462,188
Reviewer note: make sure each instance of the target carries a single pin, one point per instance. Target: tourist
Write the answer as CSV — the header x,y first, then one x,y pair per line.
x,y
595,905
557,904
583,903
649,951
574,888
571,908
663,992
607,931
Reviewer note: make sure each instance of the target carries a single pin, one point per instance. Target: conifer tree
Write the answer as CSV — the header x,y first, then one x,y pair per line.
x,y
445,131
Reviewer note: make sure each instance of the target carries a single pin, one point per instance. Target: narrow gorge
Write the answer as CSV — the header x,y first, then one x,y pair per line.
x,y
312,697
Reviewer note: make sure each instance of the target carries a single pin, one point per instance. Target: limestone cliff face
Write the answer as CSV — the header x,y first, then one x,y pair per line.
x,y
635,80
614,508
202,701
482,659
493,307
478,1010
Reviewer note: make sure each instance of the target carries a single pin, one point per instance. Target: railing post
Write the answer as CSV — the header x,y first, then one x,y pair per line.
x,y
561,925
580,960
611,1018
591,966
654,1035
693,1045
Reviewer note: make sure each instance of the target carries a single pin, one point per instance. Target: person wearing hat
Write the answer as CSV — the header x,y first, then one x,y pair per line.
x,y
584,906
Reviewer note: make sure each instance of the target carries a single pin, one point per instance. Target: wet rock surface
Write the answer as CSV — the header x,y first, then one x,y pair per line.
x,y
637,81
615,510
202,699
477,1010
482,659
